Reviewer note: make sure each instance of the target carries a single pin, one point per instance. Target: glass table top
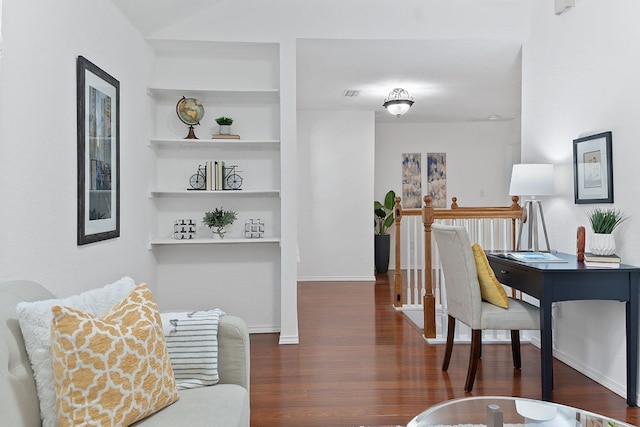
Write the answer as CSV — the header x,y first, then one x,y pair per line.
x,y
495,411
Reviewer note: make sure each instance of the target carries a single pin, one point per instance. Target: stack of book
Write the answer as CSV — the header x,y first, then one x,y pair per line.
x,y
215,175
601,261
224,136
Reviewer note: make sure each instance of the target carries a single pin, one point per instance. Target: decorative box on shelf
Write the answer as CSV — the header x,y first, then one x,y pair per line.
x,y
184,229
254,229
225,136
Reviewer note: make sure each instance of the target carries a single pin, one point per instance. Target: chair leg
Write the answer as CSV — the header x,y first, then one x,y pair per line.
x,y
474,357
515,349
451,329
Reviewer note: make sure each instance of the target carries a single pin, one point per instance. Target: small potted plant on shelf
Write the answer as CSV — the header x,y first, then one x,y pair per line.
x,y
218,219
225,125
603,221
383,219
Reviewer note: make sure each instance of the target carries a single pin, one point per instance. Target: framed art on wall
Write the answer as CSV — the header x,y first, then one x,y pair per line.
x,y
593,169
437,179
411,180
98,108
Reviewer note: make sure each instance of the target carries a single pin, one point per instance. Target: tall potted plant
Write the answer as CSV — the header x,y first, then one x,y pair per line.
x,y
603,221
383,219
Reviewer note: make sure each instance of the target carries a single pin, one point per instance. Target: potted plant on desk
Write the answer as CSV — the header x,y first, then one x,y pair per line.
x,y
603,221
383,219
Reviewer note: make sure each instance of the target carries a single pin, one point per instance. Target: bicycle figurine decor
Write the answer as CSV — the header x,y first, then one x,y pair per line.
x,y
198,180
229,179
232,180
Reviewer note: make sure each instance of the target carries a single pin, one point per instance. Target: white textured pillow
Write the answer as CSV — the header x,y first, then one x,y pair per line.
x,y
35,323
192,342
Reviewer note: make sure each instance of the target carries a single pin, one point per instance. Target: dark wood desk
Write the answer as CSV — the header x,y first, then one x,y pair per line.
x,y
570,281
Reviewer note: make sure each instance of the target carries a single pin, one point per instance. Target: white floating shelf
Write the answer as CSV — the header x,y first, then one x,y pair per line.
x,y
215,144
218,193
166,241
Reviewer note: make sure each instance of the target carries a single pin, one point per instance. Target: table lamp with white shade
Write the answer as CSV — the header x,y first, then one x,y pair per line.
x,y
532,180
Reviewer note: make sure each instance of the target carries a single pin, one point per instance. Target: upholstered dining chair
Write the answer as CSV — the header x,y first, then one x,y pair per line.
x,y
465,299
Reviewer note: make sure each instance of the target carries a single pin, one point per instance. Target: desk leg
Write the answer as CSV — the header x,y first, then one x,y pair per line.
x,y
546,349
632,340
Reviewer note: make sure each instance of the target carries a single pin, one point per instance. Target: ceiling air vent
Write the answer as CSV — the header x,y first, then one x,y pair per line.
x,y
351,93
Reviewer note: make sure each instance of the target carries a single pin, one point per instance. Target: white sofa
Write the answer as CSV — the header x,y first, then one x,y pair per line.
x,y
224,404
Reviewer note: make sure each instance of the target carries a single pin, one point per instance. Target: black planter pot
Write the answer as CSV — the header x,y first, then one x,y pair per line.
x,y
381,251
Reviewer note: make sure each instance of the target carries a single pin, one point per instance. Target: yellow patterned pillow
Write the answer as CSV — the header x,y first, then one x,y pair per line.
x,y
490,289
112,370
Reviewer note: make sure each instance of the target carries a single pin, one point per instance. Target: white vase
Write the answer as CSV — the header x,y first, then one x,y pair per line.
x,y
602,244
225,129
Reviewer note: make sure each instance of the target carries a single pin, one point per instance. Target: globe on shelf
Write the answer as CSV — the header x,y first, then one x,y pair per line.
x,y
190,111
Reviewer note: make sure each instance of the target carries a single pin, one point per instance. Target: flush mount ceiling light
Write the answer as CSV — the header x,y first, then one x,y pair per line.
x,y
398,102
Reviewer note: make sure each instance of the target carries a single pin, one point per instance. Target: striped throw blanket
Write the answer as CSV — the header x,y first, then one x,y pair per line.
x,y
192,343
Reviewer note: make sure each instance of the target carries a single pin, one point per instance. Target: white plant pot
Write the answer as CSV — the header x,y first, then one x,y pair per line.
x,y
602,244
218,232
225,129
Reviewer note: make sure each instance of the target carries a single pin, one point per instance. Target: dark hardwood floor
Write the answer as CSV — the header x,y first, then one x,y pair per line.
x,y
361,363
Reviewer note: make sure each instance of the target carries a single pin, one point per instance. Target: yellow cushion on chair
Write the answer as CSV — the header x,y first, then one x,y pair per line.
x,y
112,370
490,289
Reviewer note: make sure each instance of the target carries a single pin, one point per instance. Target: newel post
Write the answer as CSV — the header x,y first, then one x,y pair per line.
x,y
397,274
429,301
516,207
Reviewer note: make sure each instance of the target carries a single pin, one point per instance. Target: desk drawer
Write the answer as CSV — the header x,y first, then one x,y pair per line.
x,y
523,280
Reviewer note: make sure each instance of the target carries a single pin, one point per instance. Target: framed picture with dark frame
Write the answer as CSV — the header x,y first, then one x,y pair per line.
x,y
593,169
98,105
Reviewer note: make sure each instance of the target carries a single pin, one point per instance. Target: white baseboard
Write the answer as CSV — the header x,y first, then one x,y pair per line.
x,y
284,339
264,329
291,339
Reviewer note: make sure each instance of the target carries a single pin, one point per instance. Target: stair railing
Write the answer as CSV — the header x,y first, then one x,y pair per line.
x,y
480,222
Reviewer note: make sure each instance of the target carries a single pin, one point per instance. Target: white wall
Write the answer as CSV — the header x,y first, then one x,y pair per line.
x,y
38,150
479,159
0,33
335,197
336,156
580,77
289,191
478,173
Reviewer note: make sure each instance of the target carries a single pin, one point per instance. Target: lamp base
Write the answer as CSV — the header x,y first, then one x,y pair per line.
x,y
530,212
